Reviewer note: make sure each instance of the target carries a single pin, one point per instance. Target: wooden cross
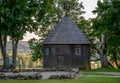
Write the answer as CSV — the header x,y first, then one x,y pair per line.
x,y
66,6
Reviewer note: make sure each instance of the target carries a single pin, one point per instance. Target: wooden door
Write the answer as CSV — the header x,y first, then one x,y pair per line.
x,y
60,61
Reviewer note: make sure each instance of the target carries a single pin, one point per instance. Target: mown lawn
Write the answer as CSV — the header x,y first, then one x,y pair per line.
x,y
102,70
83,79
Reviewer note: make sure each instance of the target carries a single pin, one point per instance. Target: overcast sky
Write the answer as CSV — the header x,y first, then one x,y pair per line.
x,y
89,6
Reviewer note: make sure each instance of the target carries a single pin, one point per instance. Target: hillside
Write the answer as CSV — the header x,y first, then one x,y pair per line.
x,y
23,47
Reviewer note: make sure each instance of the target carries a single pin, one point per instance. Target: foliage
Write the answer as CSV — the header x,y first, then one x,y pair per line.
x,y
16,18
107,23
36,48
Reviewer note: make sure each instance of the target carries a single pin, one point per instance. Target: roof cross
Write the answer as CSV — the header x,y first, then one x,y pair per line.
x,y
66,6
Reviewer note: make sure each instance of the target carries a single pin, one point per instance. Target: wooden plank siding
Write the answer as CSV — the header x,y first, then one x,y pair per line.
x,y
67,56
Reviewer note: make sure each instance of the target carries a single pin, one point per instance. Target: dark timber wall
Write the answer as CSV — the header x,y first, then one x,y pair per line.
x,y
64,56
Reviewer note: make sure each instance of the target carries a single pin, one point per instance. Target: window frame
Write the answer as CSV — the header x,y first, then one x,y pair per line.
x,y
47,51
78,51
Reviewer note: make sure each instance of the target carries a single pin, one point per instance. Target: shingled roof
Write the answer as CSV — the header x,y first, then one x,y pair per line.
x,y
66,32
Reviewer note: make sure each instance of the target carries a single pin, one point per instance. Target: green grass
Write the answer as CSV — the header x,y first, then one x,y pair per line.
x,y
83,79
102,70
99,73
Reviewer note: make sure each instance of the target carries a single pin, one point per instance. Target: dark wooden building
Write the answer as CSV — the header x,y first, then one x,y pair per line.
x,y
66,47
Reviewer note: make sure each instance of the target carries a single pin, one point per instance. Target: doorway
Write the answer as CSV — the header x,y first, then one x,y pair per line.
x,y
60,61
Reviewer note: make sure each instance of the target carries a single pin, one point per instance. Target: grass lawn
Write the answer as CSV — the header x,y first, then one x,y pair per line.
x,y
103,70
100,73
83,79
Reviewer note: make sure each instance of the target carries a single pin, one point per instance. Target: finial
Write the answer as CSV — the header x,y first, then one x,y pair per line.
x,y
67,6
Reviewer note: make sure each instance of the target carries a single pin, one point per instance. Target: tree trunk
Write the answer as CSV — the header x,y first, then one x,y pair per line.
x,y
104,61
3,43
14,52
115,58
103,53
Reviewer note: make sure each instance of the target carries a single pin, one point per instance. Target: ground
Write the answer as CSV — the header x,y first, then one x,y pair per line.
x,y
91,76
83,79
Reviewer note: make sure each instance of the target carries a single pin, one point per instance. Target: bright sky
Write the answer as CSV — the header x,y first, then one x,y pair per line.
x,y
89,6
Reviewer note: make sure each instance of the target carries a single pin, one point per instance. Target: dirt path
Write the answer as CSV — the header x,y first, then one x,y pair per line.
x,y
102,76
106,74
112,73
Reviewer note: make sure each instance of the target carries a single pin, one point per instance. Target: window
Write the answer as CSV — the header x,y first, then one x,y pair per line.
x,y
77,51
47,51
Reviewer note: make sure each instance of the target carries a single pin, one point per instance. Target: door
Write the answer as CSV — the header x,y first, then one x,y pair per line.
x,y
60,61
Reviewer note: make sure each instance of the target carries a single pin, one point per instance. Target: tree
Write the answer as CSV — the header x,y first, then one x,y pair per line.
x,y
21,21
114,49
3,31
106,25
17,17
36,48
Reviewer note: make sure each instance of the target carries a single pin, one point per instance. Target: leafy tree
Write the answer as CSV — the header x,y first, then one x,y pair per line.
x,y
106,25
22,22
36,48
16,18
114,49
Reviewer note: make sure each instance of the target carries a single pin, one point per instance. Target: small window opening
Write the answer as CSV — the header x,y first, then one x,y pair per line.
x,y
47,51
78,51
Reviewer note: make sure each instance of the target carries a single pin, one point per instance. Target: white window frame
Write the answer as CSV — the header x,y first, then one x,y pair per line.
x,y
47,50
77,51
